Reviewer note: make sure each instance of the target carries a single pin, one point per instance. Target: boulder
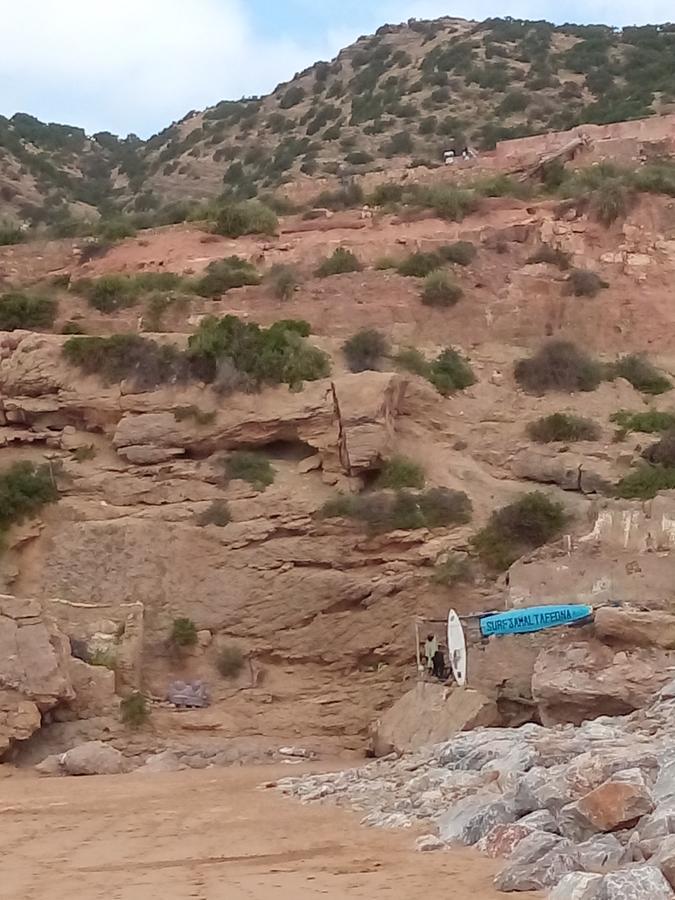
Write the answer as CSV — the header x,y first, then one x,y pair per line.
x,y
472,818
94,688
637,883
660,823
34,668
570,471
664,858
92,758
578,886
644,629
580,681
540,820
535,845
618,803
427,843
546,872
161,763
502,840
429,714
601,854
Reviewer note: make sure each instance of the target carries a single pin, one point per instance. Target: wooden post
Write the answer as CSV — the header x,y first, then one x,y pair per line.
x,y
417,646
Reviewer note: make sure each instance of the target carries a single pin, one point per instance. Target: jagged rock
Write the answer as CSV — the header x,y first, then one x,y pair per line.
x,y
428,714
94,688
575,682
502,840
638,883
536,845
167,761
664,789
541,820
546,872
470,820
93,758
34,668
578,886
601,854
617,803
664,858
660,823
569,471
647,629
427,843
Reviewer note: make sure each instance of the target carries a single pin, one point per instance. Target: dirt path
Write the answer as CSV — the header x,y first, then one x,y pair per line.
x,y
208,835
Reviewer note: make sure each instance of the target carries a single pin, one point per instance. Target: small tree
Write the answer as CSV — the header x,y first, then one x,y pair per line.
x,y
183,633
365,350
134,710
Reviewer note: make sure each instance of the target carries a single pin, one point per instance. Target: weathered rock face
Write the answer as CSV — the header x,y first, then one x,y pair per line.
x,y
618,803
34,673
578,681
93,758
634,628
571,471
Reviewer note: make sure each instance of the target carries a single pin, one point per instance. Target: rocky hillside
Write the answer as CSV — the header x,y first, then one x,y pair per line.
x,y
407,93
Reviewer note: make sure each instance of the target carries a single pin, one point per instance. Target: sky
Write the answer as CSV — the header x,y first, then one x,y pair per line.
x,y
137,65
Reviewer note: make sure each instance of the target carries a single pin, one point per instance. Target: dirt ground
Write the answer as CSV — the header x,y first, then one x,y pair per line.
x,y
209,835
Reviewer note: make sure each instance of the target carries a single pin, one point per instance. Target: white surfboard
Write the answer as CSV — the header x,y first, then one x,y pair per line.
x,y
457,648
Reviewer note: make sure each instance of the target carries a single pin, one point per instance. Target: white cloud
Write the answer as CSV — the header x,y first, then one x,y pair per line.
x,y
135,64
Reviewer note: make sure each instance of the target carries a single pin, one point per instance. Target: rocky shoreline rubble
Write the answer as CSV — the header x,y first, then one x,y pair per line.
x,y
585,812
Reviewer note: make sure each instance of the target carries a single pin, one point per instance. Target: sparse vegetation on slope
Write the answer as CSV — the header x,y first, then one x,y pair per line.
x,y
19,310
341,262
449,372
563,427
400,472
222,275
251,467
440,290
648,422
558,366
365,350
519,528
24,489
403,510
641,373
145,362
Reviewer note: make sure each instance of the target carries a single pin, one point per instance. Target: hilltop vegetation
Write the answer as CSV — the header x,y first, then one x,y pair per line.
x,y
409,91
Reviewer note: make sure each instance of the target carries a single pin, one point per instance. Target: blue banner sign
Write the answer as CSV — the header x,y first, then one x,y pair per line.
x,y
534,618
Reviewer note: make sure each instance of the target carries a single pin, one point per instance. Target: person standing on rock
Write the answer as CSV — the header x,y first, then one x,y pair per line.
x,y
430,650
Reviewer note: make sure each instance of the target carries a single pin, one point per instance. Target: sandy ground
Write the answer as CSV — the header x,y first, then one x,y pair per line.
x,y
209,835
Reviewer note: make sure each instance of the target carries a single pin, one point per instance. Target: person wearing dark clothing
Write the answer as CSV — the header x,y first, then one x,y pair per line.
x,y
439,664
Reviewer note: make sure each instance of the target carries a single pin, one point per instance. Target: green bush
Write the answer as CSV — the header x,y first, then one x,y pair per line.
x,y
550,256
217,513
183,632
10,234
612,201
339,263
115,230
558,366
657,178
645,481
413,360
461,253
382,263
382,512
450,372
112,292
518,528
250,217
447,201
250,467
230,661
563,427
223,275
440,290
400,472
419,265
454,569
70,327
649,422
134,710
584,283
365,350
644,377
275,355
123,356
18,310
24,489
284,281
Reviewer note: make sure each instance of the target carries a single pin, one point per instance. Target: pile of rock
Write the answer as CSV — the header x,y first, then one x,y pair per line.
x,y
586,811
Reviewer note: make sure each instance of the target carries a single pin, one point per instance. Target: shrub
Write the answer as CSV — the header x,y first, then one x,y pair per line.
x,y
641,374
275,355
645,481
365,350
663,451
440,290
419,265
284,281
612,200
122,356
218,513
563,427
413,360
519,528
230,661
250,467
386,193
402,510
84,453
382,263
290,98
339,263
115,230
10,234
447,201
461,253
24,489
558,366
455,569
134,710
183,633
645,422
251,217
400,472
449,372
551,256
19,310
223,275
71,327
112,292
584,283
